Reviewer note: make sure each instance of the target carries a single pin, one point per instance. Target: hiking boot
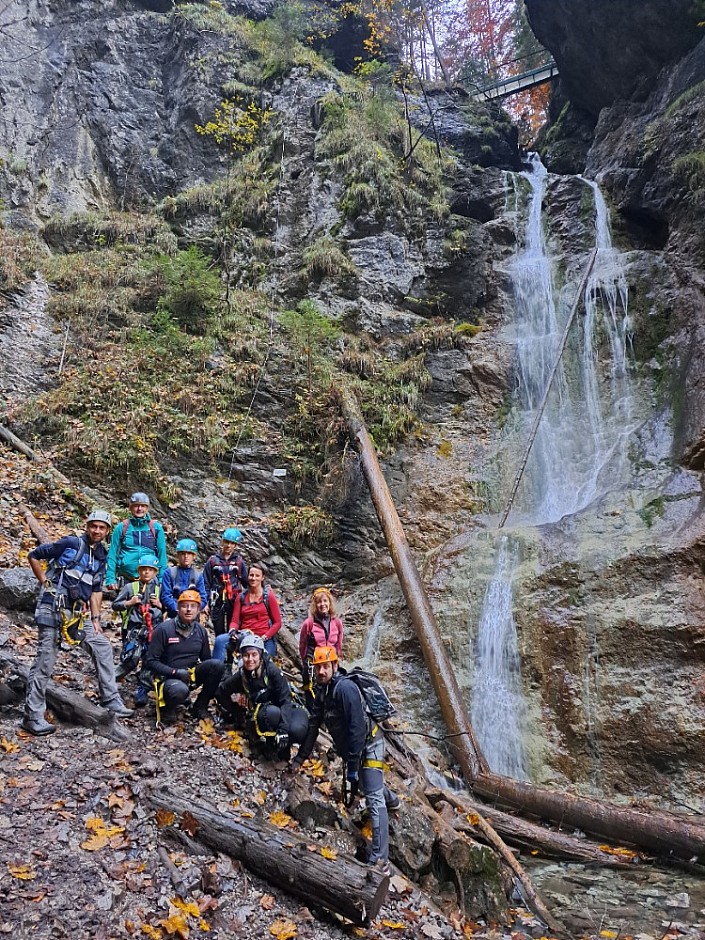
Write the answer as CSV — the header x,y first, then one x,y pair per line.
x,y
394,805
381,865
199,710
39,727
118,708
141,697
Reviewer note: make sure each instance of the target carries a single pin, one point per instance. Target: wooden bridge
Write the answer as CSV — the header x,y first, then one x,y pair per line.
x,y
515,83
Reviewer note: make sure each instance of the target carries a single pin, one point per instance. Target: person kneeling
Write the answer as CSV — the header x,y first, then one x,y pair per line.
x,y
263,702
180,654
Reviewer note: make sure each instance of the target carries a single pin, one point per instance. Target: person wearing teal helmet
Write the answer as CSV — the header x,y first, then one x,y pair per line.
x,y
225,575
181,576
140,605
136,536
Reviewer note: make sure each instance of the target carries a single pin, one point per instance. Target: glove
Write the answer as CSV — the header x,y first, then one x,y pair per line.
x,y
351,785
182,675
282,740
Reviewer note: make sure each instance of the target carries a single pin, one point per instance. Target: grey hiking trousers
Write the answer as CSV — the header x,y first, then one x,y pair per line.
x,y
95,644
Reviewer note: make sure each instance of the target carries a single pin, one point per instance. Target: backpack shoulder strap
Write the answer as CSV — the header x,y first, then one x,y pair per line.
x,y
265,598
124,527
153,530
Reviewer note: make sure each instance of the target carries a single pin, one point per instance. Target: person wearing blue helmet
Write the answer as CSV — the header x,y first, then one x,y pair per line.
x,y
225,575
182,576
133,538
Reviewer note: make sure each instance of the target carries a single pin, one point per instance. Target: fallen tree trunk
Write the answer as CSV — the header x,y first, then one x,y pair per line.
x,y
35,527
666,834
526,835
434,652
19,445
283,858
66,705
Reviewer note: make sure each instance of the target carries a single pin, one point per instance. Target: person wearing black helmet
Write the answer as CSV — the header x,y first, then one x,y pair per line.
x,y
134,537
258,696
68,613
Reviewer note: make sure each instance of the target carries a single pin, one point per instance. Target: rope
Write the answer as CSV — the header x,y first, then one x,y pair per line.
x,y
549,383
270,339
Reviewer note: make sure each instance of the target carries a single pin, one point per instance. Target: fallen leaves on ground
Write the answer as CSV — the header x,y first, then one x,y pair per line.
x,y
283,929
9,746
164,817
22,872
280,819
102,834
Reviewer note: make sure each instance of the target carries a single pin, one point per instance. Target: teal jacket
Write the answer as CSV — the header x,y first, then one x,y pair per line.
x,y
126,550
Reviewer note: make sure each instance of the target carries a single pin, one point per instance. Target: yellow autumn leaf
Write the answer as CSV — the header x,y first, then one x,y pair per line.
x,y
280,819
9,746
260,797
326,788
473,819
247,814
394,924
186,907
153,932
205,727
175,925
204,925
317,769
328,853
366,830
283,930
95,823
164,817
234,741
608,934
96,842
22,872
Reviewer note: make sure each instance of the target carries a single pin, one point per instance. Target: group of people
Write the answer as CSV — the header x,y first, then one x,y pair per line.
x,y
167,645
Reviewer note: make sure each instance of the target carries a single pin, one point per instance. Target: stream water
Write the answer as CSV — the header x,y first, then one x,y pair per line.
x,y
579,451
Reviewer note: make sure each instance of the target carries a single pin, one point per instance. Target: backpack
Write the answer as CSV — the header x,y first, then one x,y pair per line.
x,y
377,703
192,580
125,525
265,598
54,566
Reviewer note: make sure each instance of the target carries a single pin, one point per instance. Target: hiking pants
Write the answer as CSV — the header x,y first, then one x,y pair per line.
x,y
95,644
221,615
208,676
376,795
293,721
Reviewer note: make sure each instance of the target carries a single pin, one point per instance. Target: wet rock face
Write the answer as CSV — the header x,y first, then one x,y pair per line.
x,y
612,49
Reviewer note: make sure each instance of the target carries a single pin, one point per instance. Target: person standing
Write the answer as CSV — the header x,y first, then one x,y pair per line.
x,y
257,610
183,576
137,536
141,610
358,740
321,628
225,575
68,611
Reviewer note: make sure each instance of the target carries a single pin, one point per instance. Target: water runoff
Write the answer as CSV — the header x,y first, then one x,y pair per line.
x,y
580,448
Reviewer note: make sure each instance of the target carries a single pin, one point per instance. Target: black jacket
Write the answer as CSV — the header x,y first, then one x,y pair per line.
x,y
269,688
170,650
339,706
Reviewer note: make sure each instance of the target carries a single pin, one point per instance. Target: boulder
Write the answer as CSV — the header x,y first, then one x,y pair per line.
x,y
18,589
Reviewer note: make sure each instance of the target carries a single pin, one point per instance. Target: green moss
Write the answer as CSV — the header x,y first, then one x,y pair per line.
x,y
690,94
652,510
325,258
691,168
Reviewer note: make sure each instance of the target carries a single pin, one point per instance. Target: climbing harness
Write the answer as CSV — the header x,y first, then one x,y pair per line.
x,y
159,700
71,630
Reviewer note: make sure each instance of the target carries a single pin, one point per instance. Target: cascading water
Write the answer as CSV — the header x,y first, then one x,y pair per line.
x,y
579,451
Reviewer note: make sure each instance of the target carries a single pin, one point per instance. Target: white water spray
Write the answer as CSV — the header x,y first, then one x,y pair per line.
x,y
579,451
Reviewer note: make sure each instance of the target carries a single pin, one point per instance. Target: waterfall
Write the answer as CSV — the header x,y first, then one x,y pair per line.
x,y
580,448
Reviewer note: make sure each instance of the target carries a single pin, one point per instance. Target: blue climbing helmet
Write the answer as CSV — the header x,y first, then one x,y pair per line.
x,y
232,534
187,545
148,561
139,499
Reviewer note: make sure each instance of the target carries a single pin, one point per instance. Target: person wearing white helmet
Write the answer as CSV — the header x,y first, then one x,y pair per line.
x,y
68,612
134,537
258,697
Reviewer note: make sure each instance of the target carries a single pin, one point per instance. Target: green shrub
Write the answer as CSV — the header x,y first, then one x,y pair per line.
x,y
191,288
325,258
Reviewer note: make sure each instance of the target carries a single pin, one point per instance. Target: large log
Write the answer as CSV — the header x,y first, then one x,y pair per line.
x,y
82,498
67,705
281,857
434,651
526,835
666,834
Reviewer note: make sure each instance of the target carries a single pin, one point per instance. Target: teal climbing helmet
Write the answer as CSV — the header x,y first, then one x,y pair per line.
x,y
148,561
187,545
232,535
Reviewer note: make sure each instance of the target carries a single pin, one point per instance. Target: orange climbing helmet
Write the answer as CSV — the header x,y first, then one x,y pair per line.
x,y
189,595
324,654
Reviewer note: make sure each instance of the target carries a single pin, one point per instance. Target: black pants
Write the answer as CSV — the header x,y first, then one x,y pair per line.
x,y
221,615
292,721
208,676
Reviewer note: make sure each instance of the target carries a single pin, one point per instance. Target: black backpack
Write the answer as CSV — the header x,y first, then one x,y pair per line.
x,y
376,700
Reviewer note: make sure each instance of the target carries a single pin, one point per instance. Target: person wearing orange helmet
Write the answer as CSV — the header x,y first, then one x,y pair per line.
x,y
358,740
180,654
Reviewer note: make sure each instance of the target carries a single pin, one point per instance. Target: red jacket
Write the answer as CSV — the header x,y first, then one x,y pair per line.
x,y
313,635
264,620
